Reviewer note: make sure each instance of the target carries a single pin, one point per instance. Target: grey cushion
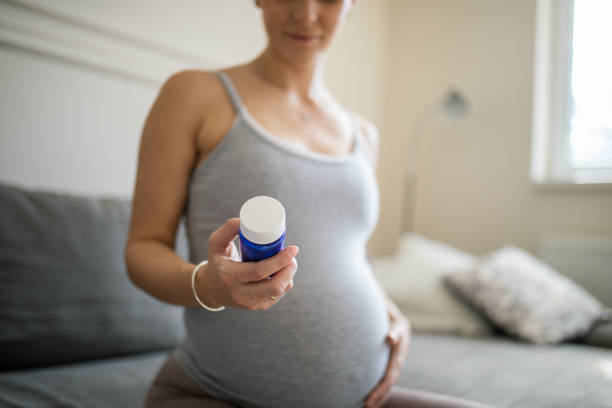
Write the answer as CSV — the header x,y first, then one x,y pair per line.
x,y
112,382
508,373
526,297
64,292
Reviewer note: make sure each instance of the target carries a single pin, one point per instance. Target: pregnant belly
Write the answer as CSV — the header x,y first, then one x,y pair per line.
x,y
322,345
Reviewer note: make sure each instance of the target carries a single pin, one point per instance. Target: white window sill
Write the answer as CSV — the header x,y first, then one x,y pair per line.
x,y
571,186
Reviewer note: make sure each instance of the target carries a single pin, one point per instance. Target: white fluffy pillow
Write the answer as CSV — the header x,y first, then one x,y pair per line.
x,y
413,279
526,297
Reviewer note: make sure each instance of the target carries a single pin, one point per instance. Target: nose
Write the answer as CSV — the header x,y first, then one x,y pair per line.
x,y
305,10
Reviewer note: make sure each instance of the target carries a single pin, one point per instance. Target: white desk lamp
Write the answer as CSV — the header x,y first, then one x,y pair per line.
x,y
453,106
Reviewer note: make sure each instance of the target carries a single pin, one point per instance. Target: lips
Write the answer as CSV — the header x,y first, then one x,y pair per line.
x,y
303,37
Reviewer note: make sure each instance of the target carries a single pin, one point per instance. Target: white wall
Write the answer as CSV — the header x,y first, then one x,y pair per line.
x,y
474,190
79,78
69,122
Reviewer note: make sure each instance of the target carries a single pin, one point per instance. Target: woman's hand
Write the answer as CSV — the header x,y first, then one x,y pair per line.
x,y
226,281
399,339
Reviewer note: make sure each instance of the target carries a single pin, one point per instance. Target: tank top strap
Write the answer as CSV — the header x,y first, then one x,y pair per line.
x,y
231,91
355,127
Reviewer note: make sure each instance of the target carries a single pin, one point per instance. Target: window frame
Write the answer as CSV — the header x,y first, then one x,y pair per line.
x,y
550,163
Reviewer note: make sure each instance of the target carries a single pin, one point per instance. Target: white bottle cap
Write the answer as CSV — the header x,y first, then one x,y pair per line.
x,y
262,219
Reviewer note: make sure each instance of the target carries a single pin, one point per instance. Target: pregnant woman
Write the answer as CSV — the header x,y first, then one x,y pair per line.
x,y
325,336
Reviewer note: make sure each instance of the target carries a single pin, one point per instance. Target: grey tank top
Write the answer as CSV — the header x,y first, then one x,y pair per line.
x,y
323,344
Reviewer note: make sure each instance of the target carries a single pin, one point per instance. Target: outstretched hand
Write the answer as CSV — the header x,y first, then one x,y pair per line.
x,y
226,281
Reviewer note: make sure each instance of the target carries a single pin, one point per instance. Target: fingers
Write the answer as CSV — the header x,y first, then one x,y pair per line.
x,y
380,394
289,286
263,293
256,271
270,291
221,238
399,331
244,284
273,300
393,337
398,338
377,399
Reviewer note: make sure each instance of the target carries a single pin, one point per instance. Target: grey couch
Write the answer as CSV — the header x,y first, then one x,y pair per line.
x,y
75,332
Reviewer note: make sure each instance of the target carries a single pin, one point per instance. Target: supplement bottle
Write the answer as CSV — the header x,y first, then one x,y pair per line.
x,y
262,228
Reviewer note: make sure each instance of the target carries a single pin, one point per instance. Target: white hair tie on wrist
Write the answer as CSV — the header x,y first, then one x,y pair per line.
x,y
193,275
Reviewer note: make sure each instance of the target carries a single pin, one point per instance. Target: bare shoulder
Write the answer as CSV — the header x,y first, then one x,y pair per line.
x,y
189,77
192,86
369,131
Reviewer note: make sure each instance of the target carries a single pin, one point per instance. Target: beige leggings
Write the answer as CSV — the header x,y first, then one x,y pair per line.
x,y
172,388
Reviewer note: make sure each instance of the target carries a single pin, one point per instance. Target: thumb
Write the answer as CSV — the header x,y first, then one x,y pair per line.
x,y
222,238
393,336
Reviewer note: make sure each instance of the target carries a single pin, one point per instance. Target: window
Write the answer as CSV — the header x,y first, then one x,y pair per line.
x,y
572,116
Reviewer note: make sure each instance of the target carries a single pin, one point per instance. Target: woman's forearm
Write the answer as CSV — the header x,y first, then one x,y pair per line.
x,y
161,272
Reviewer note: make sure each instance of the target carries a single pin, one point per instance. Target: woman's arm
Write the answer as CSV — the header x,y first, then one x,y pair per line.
x,y
167,155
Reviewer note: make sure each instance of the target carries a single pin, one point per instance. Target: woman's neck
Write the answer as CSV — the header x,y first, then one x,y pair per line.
x,y
300,81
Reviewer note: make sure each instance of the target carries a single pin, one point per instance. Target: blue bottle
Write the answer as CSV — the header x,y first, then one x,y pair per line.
x,y
262,228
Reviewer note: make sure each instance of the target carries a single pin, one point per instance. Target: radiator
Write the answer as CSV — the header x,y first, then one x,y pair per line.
x,y
586,259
